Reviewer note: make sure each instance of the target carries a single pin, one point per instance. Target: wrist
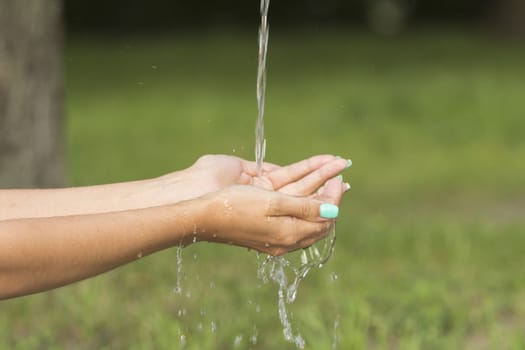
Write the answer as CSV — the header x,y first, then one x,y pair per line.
x,y
193,220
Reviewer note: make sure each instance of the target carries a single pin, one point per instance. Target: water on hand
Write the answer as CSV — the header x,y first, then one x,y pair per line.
x,y
290,271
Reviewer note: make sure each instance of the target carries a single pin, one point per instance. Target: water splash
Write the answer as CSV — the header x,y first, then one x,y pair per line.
x,y
278,275
288,272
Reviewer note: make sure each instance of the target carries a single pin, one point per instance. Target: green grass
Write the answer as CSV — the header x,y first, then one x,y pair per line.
x,y
431,237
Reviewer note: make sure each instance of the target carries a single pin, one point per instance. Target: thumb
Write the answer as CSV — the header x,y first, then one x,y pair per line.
x,y
304,208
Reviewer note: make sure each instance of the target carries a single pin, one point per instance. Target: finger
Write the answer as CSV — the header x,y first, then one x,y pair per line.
x,y
332,191
308,209
296,171
310,241
309,184
296,233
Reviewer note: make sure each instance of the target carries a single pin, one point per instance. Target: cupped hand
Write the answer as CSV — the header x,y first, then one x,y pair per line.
x,y
212,173
268,221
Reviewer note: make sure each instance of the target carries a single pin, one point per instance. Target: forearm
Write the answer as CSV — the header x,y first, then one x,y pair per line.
x,y
16,204
45,253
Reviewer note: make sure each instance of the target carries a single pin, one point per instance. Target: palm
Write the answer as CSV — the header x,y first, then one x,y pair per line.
x,y
299,179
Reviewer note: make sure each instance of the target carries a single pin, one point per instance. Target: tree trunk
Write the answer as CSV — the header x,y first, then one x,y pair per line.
x,y
31,94
511,16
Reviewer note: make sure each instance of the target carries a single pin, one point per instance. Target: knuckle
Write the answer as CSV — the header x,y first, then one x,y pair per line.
x,y
305,209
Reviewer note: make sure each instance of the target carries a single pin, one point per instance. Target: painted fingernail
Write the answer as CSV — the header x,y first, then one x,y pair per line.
x,y
329,211
349,163
340,178
347,187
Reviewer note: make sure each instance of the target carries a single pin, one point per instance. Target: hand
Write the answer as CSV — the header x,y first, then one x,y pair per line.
x,y
268,221
212,173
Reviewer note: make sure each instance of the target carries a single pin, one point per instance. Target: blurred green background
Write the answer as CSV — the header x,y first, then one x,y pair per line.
x,y
431,237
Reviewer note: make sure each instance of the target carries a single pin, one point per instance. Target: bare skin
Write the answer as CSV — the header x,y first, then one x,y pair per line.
x,y
63,244
209,174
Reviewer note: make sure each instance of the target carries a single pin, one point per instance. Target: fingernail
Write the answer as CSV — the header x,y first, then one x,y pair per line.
x,y
340,178
329,211
348,187
349,163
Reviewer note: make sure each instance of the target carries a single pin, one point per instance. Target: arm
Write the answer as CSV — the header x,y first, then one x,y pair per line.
x,y
32,203
44,253
209,174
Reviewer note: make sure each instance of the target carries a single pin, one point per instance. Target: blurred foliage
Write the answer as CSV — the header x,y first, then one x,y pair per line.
x,y
154,15
430,239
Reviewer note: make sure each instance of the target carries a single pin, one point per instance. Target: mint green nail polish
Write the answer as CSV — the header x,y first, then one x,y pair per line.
x,y
340,178
349,163
329,211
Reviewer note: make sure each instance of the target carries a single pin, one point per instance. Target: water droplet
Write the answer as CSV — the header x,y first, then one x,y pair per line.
x,y
183,341
203,312
214,235
212,285
299,341
154,67
334,277
213,326
200,327
258,308
336,335
253,338
234,150
140,83
238,341
267,245
181,312
178,288
139,255
188,295
194,256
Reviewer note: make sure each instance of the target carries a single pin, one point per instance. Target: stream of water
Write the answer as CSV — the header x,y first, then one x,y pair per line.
x,y
264,32
286,272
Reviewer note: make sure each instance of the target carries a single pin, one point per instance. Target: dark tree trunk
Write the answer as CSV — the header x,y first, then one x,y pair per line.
x,y
31,94
511,16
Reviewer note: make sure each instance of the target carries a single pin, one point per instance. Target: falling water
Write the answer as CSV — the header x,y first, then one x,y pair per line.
x,y
264,31
298,264
178,286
